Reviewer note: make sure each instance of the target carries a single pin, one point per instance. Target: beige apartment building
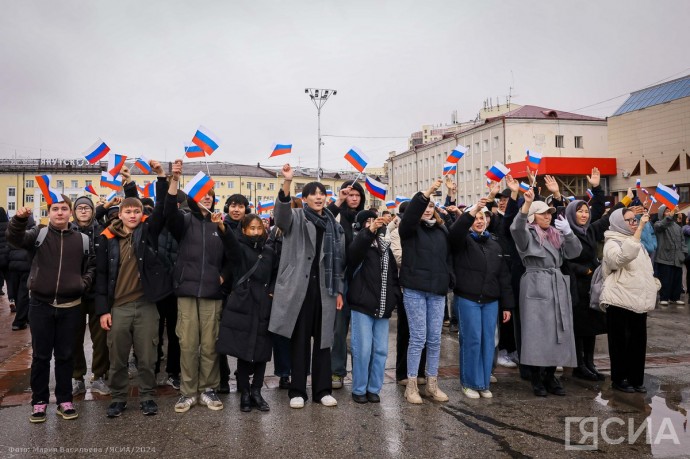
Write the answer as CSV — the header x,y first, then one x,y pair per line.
x,y
649,135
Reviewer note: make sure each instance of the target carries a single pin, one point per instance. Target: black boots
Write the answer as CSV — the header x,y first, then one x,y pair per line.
x,y
582,372
257,400
537,384
245,401
589,364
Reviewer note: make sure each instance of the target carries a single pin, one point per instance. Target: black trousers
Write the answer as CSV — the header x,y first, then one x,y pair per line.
x,y
627,334
167,311
20,295
671,278
402,341
244,369
309,325
52,332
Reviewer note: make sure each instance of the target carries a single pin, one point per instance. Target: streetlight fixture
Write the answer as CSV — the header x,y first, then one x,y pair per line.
x,y
319,98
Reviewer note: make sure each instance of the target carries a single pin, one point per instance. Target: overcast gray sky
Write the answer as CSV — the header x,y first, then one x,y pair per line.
x,y
143,75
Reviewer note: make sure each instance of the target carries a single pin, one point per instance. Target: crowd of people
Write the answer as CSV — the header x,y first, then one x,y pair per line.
x,y
519,270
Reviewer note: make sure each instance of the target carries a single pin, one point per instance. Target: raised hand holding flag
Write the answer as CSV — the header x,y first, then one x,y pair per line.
x,y
50,194
358,160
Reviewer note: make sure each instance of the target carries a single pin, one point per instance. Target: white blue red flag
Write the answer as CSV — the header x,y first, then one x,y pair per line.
x,y
391,205
108,181
497,172
450,168
51,195
90,189
281,149
590,195
667,196
524,187
265,206
143,164
111,196
115,163
400,199
533,160
206,140
358,160
193,151
457,153
376,188
638,184
199,186
96,152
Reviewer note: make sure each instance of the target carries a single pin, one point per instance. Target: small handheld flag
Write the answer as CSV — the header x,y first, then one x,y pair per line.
x,y
590,195
90,189
666,196
111,196
193,151
143,164
265,216
533,160
51,195
96,152
497,172
148,190
206,140
329,193
107,180
457,153
401,199
653,199
450,168
281,149
644,190
391,205
199,186
115,163
299,195
570,198
265,206
524,187
638,184
376,188
358,160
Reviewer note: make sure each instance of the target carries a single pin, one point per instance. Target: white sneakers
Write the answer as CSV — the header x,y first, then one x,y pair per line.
x,y
328,400
485,393
184,404
470,393
504,361
663,303
679,302
296,402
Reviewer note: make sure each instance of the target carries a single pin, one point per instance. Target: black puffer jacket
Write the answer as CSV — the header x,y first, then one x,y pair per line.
x,y
426,261
347,215
20,259
364,293
4,247
481,272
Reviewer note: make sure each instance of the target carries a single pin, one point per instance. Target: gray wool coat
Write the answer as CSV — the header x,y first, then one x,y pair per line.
x,y
299,245
546,313
671,248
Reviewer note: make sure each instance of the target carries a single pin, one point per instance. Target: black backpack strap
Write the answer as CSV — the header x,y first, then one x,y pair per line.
x,y
249,273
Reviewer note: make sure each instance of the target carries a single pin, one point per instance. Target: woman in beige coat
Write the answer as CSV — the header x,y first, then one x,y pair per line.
x,y
629,291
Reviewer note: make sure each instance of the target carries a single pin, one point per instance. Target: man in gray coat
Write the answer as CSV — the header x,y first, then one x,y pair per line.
x,y
308,288
670,254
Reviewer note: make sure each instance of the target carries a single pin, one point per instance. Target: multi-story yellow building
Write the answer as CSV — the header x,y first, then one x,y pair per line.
x,y
70,177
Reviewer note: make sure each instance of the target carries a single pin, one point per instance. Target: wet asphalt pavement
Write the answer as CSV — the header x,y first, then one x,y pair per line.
x,y
512,424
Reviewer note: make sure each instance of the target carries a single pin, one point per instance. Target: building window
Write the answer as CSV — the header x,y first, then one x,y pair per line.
x,y
249,185
60,184
476,147
258,186
11,192
11,205
75,183
231,185
44,213
43,198
485,145
476,173
684,193
87,183
29,184
271,187
73,197
675,167
496,142
578,142
30,198
559,141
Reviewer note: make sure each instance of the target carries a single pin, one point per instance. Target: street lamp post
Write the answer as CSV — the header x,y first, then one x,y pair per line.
x,y
319,98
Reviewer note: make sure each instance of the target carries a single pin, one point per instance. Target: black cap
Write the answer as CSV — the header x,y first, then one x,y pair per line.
x,y
504,194
363,216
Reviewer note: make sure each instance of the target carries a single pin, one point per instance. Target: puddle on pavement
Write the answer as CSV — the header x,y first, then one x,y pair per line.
x,y
665,407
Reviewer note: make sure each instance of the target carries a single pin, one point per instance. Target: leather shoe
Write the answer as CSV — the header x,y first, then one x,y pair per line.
x,y
553,386
539,389
284,382
257,400
640,389
373,398
623,386
115,409
582,372
245,402
149,407
360,398
19,327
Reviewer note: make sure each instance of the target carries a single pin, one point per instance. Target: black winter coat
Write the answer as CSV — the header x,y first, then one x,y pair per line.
x,y
244,325
480,269
4,247
364,291
20,259
426,261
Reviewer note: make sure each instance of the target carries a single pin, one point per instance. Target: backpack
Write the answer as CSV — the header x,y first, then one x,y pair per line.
x,y
43,232
597,286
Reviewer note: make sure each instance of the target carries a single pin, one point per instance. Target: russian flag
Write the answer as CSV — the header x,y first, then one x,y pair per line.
x,y
638,184
199,186
265,206
265,216
51,195
115,163
497,172
332,199
570,198
96,152
376,188
450,168
524,187
111,196
533,160
299,195
281,149
644,190
111,182
457,153
148,190
590,195
667,196
143,164
329,193
391,205
401,199
653,199
193,151
357,159
90,189
206,140
251,205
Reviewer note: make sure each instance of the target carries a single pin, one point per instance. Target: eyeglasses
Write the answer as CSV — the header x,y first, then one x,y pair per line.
x,y
631,221
83,208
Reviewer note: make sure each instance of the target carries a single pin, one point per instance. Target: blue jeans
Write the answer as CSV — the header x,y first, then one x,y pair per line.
x,y
369,351
477,330
425,318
